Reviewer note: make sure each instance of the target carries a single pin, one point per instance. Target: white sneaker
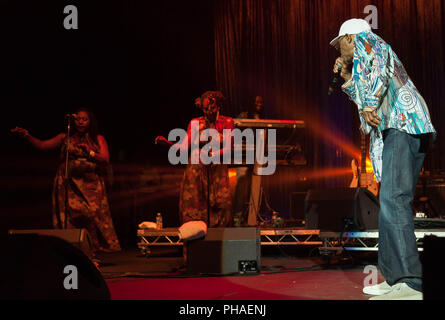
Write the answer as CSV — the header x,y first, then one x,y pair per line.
x,y
400,291
378,289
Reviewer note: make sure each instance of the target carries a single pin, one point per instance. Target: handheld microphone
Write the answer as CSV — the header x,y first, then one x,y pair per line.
x,y
334,80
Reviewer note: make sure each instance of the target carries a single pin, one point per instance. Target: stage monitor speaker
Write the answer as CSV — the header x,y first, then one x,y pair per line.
x,y
432,268
80,238
44,267
225,251
341,209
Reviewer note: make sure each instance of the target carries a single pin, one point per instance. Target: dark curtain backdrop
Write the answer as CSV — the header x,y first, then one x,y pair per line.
x,y
280,49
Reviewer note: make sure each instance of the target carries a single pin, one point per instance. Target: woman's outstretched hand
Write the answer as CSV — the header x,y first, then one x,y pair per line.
x,y
162,141
23,133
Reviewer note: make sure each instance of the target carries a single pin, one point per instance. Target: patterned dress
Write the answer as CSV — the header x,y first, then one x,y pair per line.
x,y
194,188
87,198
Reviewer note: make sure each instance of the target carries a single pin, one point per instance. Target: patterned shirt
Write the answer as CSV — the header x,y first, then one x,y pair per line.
x,y
379,82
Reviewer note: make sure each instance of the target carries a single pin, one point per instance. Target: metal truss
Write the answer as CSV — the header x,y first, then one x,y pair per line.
x,y
291,236
329,242
365,240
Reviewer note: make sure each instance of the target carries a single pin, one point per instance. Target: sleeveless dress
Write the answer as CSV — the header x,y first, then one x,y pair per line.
x,y
87,205
193,203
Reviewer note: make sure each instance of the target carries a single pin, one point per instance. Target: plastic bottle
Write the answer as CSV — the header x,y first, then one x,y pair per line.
x,y
274,218
159,221
236,221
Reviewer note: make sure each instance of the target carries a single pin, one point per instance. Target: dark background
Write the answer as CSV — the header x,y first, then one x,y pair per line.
x,y
140,64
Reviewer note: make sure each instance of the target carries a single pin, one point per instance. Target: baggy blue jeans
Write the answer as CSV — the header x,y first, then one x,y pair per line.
x,y
398,257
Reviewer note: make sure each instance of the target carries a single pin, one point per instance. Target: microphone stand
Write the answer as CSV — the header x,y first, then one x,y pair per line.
x,y
208,187
208,182
66,176
208,121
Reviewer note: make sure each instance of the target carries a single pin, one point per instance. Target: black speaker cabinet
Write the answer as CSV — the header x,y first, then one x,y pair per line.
x,y
432,268
79,238
44,267
341,209
225,251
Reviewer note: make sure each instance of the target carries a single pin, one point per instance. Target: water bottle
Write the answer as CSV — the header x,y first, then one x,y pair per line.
x,y
274,218
236,221
159,221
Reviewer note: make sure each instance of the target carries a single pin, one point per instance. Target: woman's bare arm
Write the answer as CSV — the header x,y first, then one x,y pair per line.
x,y
184,145
37,143
103,155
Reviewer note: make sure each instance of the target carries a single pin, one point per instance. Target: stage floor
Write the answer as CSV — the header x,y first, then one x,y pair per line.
x,y
286,274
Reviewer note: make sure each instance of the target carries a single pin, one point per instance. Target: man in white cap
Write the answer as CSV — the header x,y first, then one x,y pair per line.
x,y
396,116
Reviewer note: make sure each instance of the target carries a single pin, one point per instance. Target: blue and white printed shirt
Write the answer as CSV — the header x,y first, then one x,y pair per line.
x,y
379,82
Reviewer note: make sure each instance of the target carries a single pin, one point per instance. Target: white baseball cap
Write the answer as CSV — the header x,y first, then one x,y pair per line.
x,y
351,26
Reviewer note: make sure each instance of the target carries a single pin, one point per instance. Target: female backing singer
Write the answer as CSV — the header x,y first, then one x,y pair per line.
x,y
81,201
205,193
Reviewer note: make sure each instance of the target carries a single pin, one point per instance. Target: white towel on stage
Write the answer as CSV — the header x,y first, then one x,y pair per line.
x,y
192,230
147,225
